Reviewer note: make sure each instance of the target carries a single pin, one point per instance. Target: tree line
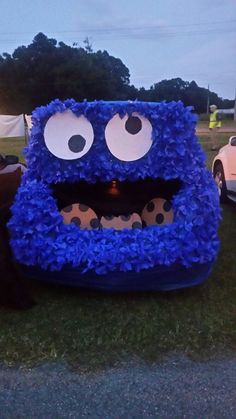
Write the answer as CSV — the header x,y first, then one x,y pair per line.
x,y
46,69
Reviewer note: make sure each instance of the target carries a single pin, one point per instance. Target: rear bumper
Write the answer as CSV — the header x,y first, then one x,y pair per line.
x,y
160,278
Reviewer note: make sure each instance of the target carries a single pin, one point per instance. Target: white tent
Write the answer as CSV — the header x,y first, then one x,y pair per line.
x,y
12,126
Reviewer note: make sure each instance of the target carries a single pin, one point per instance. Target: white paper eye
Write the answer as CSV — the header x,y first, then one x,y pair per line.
x,y
129,138
68,136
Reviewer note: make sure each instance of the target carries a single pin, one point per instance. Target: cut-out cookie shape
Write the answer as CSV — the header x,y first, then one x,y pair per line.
x,y
123,221
158,211
81,215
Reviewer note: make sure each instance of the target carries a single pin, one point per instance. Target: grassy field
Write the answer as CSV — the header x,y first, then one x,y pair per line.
x,y
13,145
92,330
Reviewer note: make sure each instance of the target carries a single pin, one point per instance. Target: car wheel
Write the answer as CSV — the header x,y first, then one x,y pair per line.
x,y
219,177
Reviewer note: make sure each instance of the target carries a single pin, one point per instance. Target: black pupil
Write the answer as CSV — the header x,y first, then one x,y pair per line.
x,y
76,143
133,125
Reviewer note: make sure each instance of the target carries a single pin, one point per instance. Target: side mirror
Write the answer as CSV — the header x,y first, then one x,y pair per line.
x,y
10,159
232,141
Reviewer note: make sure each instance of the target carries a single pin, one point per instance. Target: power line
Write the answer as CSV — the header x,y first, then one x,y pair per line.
x,y
136,31
118,28
140,35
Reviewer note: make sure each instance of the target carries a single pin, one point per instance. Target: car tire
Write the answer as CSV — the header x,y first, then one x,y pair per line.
x,y
219,177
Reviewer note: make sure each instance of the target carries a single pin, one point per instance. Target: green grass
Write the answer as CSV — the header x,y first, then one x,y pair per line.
x,y
205,141
92,330
13,146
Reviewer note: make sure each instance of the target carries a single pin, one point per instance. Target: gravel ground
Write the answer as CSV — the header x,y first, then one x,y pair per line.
x,y
223,130
175,388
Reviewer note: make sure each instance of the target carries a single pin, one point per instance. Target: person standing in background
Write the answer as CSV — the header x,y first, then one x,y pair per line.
x,y
214,126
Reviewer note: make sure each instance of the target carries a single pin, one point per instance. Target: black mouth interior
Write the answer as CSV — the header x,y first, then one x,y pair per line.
x,y
115,197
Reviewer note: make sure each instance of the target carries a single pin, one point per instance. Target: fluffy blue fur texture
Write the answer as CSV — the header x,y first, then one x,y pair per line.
x,y
38,235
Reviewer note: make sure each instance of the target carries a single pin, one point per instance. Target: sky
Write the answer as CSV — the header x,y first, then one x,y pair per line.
x,y
155,39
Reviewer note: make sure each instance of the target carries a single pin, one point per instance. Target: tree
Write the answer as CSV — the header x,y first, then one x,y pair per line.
x,y
169,89
87,45
45,70
177,89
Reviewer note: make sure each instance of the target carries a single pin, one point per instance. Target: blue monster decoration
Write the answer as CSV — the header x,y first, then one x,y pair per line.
x,y
116,197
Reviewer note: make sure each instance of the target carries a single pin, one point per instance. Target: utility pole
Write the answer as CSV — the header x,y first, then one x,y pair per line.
x,y
208,99
235,107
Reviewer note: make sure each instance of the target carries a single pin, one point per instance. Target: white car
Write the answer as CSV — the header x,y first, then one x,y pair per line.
x,y
224,171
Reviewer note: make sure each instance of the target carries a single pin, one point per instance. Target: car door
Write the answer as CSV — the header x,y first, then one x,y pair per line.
x,y
231,157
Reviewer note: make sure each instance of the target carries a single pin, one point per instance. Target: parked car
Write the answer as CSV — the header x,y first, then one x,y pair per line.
x,y
13,291
112,201
224,171
10,176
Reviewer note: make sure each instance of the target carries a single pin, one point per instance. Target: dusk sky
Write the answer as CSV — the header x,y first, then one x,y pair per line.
x,y
155,39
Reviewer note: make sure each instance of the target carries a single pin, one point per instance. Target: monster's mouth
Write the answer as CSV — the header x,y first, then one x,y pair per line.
x,y
117,204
